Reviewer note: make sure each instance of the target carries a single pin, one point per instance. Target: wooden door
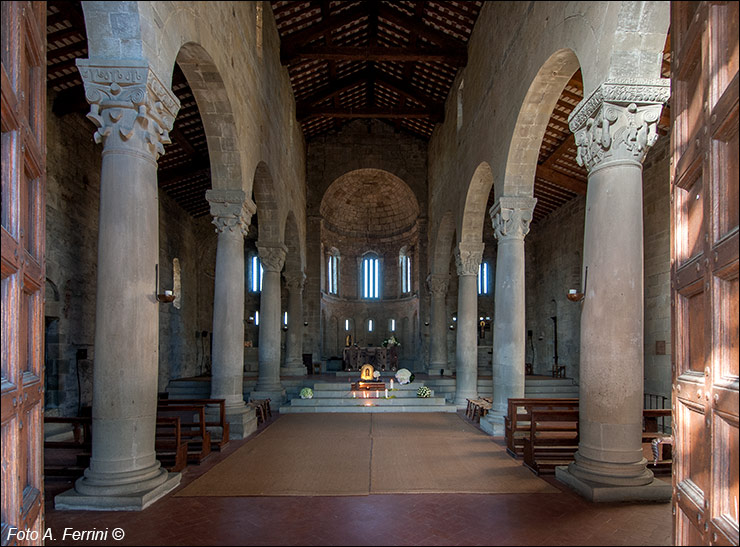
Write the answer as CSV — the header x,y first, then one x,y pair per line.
x,y
704,272
23,231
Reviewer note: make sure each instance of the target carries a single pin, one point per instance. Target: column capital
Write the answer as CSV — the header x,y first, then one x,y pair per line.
x,y
618,121
294,280
232,210
468,256
438,284
131,107
272,256
511,216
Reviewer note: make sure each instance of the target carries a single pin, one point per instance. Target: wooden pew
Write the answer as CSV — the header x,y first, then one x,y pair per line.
x,y
552,441
217,443
192,430
172,451
261,408
516,423
650,432
79,448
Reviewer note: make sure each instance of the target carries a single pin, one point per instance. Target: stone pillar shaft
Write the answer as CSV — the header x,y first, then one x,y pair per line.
x,y
272,257
468,256
613,129
294,339
133,112
438,340
511,217
231,212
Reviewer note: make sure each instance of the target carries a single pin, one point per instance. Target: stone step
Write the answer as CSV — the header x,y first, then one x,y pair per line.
x,y
288,409
404,401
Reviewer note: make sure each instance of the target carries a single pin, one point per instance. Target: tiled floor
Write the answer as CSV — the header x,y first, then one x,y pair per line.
x,y
423,519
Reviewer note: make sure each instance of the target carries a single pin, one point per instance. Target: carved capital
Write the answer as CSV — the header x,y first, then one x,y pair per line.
x,y
468,256
231,210
295,281
437,284
511,217
129,105
618,121
272,256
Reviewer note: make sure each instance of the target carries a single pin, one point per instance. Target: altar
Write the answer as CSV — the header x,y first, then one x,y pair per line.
x,y
380,358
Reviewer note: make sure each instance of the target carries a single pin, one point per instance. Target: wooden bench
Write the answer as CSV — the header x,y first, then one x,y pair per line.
x,y
217,442
477,408
172,451
664,443
552,441
192,430
262,409
516,422
79,447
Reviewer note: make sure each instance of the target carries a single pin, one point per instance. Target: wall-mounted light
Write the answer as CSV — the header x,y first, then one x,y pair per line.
x,y
305,323
166,296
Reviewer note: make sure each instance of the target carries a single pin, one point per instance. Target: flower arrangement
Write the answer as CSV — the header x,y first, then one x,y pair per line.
x,y
391,342
424,392
306,393
404,376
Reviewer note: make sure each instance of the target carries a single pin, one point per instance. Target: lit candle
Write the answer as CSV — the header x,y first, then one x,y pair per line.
x,y
354,395
376,393
386,393
391,383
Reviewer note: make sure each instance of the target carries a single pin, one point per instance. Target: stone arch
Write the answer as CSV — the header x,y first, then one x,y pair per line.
x,y
476,200
216,112
265,197
531,123
442,246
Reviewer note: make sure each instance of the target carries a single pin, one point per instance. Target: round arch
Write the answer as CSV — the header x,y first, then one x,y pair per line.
x,y
442,245
476,199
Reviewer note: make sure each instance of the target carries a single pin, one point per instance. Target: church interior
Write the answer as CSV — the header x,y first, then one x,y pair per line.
x,y
358,272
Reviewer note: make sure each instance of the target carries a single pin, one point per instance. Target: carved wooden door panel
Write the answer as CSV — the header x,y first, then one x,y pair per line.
x,y
704,272
23,232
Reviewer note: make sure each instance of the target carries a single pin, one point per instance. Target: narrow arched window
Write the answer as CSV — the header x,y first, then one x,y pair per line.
x,y
332,272
371,276
255,274
405,270
484,281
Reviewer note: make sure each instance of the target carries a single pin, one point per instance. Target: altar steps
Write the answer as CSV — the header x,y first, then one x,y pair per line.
x,y
337,397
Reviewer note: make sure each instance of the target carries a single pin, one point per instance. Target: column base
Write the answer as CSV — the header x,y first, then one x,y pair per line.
x,y
656,491
611,474
291,369
493,424
241,419
102,498
277,397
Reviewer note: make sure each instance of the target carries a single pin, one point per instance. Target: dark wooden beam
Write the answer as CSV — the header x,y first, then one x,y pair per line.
x,y
310,33
335,88
454,57
416,27
561,179
372,112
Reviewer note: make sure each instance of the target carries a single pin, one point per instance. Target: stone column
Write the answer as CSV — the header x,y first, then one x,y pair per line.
x,y
231,211
613,130
272,257
511,217
294,344
468,256
438,284
133,111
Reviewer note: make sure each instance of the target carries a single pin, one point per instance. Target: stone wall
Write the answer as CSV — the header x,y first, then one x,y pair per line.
x,y
657,242
72,197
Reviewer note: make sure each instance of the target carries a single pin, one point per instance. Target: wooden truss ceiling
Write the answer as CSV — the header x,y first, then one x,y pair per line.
x,y
394,61
184,171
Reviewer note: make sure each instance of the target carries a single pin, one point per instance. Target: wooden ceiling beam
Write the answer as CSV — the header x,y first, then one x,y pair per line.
x,y
368,112
415,27
310,33
334,89
378,54
559,179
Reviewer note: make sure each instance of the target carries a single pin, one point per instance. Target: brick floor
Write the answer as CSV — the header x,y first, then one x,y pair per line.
x,y
417,519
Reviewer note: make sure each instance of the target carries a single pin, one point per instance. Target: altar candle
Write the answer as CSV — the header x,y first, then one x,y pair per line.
x,y
376,393
391,383
386,393
354,395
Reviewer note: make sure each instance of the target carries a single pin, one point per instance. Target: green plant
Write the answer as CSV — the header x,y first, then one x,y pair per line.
x,y
306,393
424,392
